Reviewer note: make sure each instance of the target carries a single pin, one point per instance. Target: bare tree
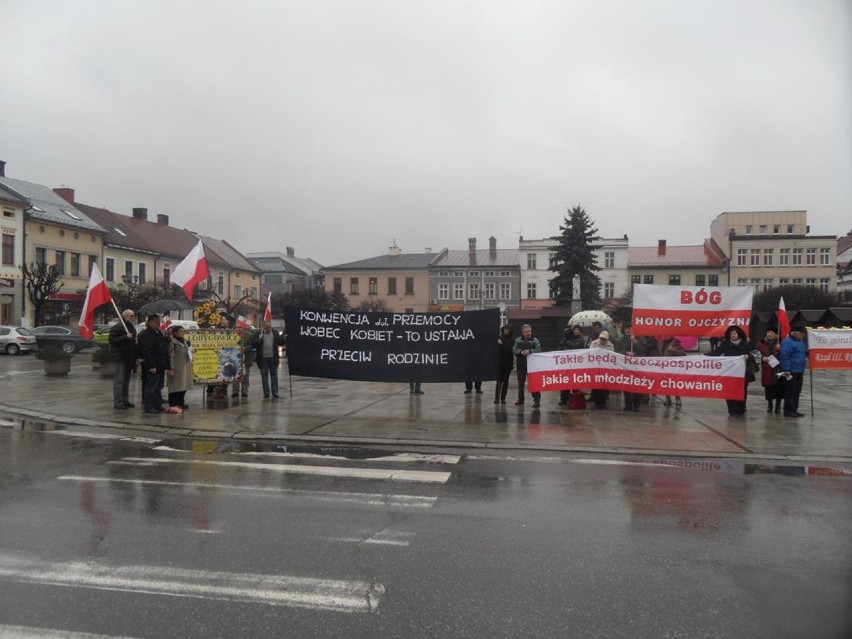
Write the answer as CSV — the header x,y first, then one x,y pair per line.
x,y
41,281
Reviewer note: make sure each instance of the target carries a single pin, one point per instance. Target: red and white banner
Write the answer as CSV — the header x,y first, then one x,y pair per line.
x,y
690,310
830,348
97,294
690,376
191,271
243,323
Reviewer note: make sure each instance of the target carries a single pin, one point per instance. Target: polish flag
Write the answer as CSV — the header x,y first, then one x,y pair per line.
x,y
242,322
96,295
783,321
267,314
166,320
191,271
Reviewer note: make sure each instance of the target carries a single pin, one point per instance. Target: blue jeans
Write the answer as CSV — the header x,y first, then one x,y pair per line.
x,y
269,375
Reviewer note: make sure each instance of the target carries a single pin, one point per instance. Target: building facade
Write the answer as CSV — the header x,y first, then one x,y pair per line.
x,y
692,265
767,249
285,273
12,208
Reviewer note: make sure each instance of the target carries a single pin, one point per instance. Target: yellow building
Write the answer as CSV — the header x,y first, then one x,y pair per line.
x,y
11,280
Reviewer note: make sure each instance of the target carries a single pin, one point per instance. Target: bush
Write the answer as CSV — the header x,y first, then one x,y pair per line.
x,y
52,354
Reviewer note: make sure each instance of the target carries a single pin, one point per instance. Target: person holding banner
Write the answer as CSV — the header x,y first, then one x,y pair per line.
x,y
572,340
770,351
794,355
736,344
599,396
523,347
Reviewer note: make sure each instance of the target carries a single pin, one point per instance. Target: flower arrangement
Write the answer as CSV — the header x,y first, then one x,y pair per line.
x,y
207,315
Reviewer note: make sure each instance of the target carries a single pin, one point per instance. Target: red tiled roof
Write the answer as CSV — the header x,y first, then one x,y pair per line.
x,y
707,254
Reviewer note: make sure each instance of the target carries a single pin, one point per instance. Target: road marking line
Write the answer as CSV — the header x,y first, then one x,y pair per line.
x,y
398,457
28,632
123,438
276,590
381,538
421,476
364,499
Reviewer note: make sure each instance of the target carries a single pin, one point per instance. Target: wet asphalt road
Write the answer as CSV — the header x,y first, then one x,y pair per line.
x,y
116,538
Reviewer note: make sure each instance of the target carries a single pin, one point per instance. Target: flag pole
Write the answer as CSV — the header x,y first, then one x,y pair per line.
x,y
811,370
120,318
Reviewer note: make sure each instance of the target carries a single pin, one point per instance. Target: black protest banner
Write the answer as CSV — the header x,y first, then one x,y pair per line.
x,y
393,347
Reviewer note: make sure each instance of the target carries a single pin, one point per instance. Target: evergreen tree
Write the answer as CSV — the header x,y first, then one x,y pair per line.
x,y
575,256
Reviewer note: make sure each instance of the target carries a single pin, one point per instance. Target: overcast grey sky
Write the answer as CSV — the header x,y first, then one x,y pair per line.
x,y
337,126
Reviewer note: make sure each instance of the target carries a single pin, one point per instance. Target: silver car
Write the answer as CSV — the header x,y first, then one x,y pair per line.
x,y
16,339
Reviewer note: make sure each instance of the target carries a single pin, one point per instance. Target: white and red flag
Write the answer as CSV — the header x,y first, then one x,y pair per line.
x,y
97,294
690,310
166,320
191,271
242,322
830,348
783,321
267,314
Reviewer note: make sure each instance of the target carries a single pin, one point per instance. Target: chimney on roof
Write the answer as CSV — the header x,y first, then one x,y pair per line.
x,y
2,168
65,193
661,248
428,249
394,250
492,247
291,252
471,249
163,219
140,214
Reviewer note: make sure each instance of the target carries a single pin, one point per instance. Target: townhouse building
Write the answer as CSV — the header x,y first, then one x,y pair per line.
x,y
285,272
12,208
844,266
399,280
766,249
538,255
475,279
690,265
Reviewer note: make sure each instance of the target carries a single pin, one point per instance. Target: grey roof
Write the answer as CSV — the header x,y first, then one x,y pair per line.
x,y
49,207
10,196
403,261
276,265
232,256
120,234
501,258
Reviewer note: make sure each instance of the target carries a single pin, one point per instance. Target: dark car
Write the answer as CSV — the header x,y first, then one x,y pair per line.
x,y
68,339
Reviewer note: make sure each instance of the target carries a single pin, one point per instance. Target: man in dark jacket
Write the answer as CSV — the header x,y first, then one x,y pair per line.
x,y
154,352
122,350
524,346
505,342
266,355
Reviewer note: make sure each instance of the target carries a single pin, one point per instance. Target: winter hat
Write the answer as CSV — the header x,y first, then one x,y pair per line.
x,y
604,335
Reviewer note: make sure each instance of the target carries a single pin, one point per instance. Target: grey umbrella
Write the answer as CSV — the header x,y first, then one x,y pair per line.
x,y
163,306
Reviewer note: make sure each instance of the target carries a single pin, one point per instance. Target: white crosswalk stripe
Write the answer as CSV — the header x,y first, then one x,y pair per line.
x,y
28,632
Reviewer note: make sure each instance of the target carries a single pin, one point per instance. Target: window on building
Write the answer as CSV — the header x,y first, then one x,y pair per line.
x,y
552,261
337,285
391,286
768,256
505,273
75,265
505,290
789,229
167,274
674,280
60,262
609,259
458,291
409,286
742,281
811,256
473,290
40,256
531,287
755,257
635,279
742,257
490,290
531,261
8,213
109,269
443,291
609,290
749,229
798,281
128,269
648,279
776,229
713,280
238,291
768,283
8,249
353,286
783,281
374,286
810,282
755,284
763,229
93,259
220,283
143,274
458,273
700,280
825,257
784,257
253,292
797,257
824,284
473,274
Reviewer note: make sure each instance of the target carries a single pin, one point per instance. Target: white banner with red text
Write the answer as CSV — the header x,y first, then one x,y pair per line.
x,y
690,376
690,310
830,348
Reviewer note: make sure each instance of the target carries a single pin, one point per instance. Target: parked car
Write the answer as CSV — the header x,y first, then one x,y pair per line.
x,y
102,336
68,339
16,339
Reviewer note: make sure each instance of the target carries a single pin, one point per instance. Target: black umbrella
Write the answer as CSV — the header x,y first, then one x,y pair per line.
x,y
164,306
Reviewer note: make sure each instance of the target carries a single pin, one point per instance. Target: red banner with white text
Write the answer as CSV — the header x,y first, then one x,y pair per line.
x,y
830,348
690,310
690,376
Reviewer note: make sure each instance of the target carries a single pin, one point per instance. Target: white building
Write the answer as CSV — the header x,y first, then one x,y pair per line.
x,y
536,257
